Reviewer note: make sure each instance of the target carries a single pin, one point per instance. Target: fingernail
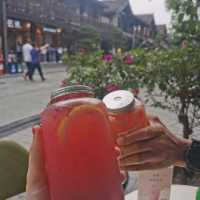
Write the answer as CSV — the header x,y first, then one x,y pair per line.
x,y
36,129
122,178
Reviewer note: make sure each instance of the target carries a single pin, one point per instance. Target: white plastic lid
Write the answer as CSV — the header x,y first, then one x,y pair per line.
x,y
119,100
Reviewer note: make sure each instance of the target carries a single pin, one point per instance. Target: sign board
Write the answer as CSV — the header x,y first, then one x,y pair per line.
x,y
50,30
14,24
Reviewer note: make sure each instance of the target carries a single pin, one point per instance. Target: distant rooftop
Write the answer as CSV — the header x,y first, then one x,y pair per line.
x,y
113,6
147,19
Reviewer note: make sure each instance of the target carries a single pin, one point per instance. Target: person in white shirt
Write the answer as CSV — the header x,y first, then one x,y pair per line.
x,y
27,47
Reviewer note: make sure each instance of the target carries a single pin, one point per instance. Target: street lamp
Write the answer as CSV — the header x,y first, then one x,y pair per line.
x,y
3,18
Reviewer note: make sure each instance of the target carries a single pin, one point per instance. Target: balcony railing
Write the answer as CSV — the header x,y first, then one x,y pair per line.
x,y
58,16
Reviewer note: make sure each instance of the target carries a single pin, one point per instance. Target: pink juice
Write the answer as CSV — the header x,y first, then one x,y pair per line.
x,y
126,113
79,151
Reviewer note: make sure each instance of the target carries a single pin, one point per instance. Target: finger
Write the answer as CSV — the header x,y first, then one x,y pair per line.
x,y
37,186
147,133
36,151
137,159
136,148
143,166
124,175
117,152
155,119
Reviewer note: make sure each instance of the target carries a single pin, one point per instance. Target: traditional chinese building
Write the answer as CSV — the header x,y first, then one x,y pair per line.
x,y
162,30
118,13
144,29
48,21
147,25
51,21
139,27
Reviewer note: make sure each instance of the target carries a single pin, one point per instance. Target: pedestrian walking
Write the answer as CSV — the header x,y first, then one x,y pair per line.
x,y
35,56
27,47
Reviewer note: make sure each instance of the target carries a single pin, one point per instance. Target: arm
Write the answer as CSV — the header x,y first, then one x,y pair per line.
x,y
44,47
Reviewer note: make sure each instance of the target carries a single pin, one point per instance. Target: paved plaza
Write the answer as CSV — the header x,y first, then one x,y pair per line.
x,y
20,99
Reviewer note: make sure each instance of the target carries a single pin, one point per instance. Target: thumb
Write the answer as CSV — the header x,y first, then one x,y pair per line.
x,y
37,187
36,159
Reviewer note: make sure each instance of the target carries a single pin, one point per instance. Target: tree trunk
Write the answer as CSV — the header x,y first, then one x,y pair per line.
x,y
187,131
180,174
184,119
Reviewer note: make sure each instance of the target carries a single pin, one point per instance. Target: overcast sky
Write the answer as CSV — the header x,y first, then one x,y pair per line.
x,y
152,6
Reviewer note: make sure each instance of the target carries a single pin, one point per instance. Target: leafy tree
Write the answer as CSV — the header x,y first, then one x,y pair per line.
x,y
115,38
174,73
89,38
118,39
172,77
185,23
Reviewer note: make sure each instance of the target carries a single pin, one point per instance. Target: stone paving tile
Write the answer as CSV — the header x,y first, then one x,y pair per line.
x,y
20,99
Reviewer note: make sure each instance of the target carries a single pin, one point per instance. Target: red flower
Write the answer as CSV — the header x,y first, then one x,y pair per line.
x,y
108,58
129,60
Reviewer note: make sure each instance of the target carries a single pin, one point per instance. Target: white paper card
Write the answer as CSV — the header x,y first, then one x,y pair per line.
x,y
155,185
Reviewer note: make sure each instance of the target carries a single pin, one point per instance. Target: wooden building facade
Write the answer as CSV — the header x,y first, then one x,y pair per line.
x,y
50,21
